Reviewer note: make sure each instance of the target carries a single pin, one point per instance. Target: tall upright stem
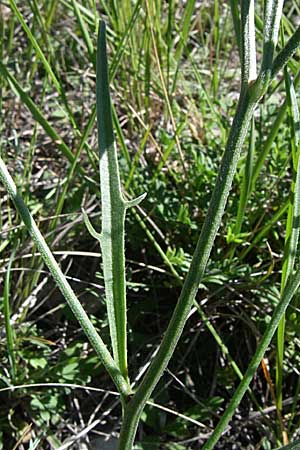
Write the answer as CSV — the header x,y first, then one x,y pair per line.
x,y
209,230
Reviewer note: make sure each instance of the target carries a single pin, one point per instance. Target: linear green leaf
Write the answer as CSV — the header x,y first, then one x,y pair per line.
x,y
38,116
292,226
8,326
291,287
113,208
63,284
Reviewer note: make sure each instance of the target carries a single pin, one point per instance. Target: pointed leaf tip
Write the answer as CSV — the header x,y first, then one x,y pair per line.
x,y
90,227
104,117
135,201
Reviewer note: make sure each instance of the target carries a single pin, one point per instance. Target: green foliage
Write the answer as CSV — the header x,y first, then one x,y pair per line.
x,y
48,77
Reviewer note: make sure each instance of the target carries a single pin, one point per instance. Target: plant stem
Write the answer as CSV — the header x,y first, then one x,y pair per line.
x,y
250,94
280,309
209,230
63,284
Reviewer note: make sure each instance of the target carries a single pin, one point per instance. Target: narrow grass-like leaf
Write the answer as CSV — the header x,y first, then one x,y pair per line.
x,y
84,31
216,48
156,245
56,82
38,49
123,42
286,53
234,5
63,284
36,11
120,135
292,446
225,351
169,149
8,326
72,171
289,291
207,97
292,227
280,213
39,117
137,158
164,88
184,33
271,136
246,182
114,64
88,13
113,208
50,13
44,60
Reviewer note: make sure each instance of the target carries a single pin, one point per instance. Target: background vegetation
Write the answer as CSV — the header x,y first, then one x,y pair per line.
x,y
175,75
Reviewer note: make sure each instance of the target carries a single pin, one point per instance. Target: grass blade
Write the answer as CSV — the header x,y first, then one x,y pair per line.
x,y
184,33
289,291
234,5
246,183
164,88
36,46
38,116
8,326
293,446
292,227
44,60
84,31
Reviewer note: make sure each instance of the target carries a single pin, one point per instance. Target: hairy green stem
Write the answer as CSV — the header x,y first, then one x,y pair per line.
x,y
63,284
210,227
280,309
273,12
250,94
